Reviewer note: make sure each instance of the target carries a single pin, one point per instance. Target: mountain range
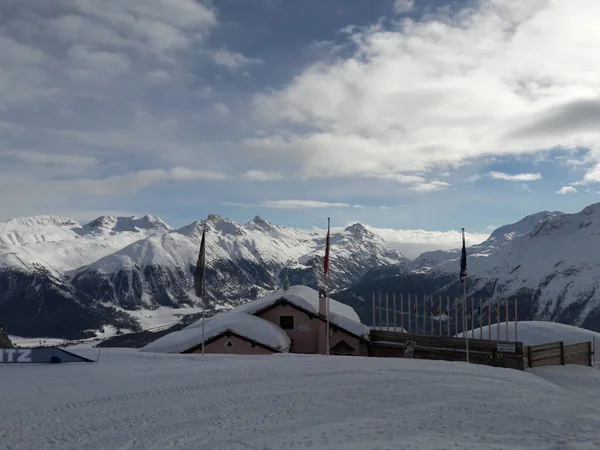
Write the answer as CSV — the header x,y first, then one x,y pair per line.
x,y
549,262
60,278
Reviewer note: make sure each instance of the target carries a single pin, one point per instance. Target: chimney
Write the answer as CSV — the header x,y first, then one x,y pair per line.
x,y
322,341
323,302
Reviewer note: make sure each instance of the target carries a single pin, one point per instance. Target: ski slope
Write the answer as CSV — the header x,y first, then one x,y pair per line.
x,y
134,400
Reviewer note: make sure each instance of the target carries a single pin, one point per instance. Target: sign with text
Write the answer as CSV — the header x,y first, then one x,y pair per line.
x,y
505,347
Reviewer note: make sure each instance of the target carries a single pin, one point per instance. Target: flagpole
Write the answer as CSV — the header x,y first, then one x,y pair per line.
x,y
327,287
464,265
200,280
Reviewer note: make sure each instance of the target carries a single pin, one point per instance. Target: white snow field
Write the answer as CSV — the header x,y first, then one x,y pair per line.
x,y
134,400
535,332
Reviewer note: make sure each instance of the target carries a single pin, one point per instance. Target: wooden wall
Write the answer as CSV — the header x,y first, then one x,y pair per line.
x,y
556,353
389,344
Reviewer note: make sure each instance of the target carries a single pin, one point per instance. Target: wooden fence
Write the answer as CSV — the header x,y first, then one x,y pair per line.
x,y
557,353
389,344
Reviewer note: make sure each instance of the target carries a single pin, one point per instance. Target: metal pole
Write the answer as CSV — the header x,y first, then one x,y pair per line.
x,y
387,312
498,321
327,295
380,321
464,305
402,312
440,315
203,320
456,330
480,322
489,321
516,332
424,314
409,315
506,314
373,321
473,317
448,316
417,314
394,294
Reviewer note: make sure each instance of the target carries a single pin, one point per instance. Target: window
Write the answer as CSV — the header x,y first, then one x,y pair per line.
x,y
286,322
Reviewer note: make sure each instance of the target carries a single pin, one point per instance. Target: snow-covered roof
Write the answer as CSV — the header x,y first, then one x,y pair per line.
x,y
307,298
248,326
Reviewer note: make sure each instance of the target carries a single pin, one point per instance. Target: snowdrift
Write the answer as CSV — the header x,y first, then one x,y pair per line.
x,y
537,332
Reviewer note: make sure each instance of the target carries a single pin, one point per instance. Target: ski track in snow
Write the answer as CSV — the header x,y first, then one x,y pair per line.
x,y
131,400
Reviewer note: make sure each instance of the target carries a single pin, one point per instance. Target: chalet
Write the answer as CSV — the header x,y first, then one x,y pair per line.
x,y
292,321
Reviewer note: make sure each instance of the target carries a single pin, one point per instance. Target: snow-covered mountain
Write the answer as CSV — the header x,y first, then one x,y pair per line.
x,y
61,278
550,261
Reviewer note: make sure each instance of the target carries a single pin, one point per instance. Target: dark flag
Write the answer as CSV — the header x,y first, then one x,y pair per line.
x,y
200,273
326,259
463,259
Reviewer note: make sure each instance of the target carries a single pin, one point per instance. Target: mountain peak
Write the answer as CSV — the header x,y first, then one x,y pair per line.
x,y
357,229
260,223
116,224
42,221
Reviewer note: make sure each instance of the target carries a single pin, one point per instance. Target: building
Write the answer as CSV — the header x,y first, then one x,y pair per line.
x,y
292,321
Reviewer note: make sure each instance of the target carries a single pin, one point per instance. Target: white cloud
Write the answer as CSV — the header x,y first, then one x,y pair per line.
x,y
490,80
133,182
221,109
305,204
232,60
430,186
515,177
411,243
261,175
566,190
403,6
157,77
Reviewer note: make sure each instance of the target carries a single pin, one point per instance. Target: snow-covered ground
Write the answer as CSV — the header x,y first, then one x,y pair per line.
x,y
134,400
537,332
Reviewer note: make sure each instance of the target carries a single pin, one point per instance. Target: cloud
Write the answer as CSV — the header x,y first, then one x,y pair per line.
x,y
430,186
133,182
232,60
566,190
293,204
403,6
416,95
515,177
261,175
411,243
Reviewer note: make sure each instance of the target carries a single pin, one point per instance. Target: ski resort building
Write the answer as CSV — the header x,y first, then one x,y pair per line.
x,y
292,321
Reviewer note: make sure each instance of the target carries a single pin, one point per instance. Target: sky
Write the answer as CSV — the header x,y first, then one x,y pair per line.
x,y
415,118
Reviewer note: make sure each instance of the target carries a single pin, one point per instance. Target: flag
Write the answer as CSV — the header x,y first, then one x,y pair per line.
x,y
463,259
326,259
200,272
439,312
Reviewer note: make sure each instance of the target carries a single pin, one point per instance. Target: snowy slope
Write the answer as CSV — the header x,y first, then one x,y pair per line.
x,y
550,261
61,244
133,400
536,333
